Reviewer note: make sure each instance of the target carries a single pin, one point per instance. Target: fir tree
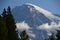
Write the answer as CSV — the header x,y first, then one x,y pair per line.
x,y
7,26
4,13
3,29
24,36
58,35
52,37
12,33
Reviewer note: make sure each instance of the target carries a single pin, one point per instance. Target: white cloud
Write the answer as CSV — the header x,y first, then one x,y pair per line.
x,y
22,26
32,35
52,27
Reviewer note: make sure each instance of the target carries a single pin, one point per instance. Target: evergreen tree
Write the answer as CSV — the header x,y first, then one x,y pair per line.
x,y
52,37
3,29
7,26
12,33
58,35
24,36
4,13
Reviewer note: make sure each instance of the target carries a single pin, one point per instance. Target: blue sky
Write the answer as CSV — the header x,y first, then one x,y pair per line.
x,y
50,5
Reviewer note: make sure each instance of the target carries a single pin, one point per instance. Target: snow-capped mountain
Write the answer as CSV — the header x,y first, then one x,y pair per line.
x,y
34,16
34,12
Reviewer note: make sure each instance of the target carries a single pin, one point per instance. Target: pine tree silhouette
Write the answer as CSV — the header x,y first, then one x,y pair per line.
x,y
7,26
4,13
12,33
3,28
52,37
24,35
58,35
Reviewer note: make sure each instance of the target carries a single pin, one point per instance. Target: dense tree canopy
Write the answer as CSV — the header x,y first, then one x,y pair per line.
x,y
8,28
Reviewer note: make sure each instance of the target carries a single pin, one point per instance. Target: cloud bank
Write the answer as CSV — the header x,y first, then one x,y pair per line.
x,y
22,26
52,27
49,28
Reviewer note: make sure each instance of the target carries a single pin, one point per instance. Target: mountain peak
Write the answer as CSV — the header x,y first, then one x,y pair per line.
x,y
34,16
28,8
39,9
48,14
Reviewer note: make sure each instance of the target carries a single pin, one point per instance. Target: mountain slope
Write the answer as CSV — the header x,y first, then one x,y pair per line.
x,y
34,16
57,15
31,10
